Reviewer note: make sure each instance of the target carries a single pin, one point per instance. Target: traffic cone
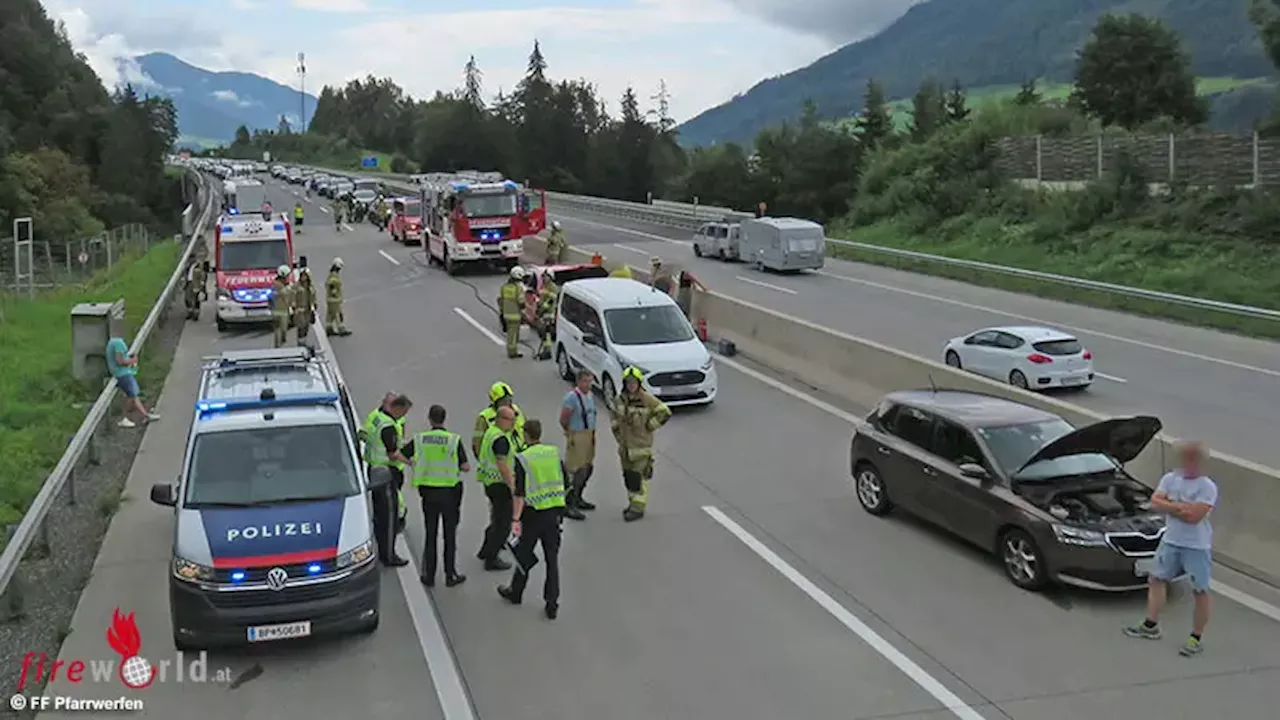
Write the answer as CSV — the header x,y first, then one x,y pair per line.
x,y
597,259
702,329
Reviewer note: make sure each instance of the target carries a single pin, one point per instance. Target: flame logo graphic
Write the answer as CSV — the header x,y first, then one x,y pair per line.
x,y
123,637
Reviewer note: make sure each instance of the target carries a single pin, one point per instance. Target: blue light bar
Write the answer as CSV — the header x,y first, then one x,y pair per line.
x,y
226,229
314,569
278,227
233,211
237,576
511,183
206,407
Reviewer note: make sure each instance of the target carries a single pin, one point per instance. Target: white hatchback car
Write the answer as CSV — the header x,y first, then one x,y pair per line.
x,y
1032,358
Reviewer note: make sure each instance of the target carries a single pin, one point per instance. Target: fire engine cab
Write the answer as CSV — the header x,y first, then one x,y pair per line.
x,y
479,218
248,252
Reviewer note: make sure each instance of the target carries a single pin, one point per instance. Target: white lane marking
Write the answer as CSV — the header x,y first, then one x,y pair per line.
x,y
629,231
1038,321
387,255
628,248
476,324
1112,378
348,228
1257,605
323,209
770,286
875,640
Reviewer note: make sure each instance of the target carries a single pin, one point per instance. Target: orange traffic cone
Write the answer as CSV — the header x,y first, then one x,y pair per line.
x,y
597,259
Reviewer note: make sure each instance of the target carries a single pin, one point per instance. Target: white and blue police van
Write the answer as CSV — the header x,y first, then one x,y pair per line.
x,y
274,533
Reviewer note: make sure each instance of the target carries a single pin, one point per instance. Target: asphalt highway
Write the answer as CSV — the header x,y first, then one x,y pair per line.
x,y
1223,389
755,588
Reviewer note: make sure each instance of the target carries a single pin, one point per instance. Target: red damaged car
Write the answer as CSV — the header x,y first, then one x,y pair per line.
x,y
406,223
533,281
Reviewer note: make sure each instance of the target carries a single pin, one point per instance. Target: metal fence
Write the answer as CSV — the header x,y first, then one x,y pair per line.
x,y
1199,160
53,263
31,536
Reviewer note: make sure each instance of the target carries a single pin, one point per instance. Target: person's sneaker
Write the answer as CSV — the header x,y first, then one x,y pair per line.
x,y
1191,647
1144,631
153,415
127,423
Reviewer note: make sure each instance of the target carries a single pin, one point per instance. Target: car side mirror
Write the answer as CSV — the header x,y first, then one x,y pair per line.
x,y
379,478
975,471
164,494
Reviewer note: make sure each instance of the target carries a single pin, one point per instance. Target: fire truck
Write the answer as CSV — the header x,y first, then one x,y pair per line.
x,y
479,218
248,252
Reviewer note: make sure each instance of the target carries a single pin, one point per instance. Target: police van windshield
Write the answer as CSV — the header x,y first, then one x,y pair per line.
x,y
496,205
647,325
262,466
253,255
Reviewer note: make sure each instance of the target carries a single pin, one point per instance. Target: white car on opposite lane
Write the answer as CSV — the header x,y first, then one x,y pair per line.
x,y
1029,357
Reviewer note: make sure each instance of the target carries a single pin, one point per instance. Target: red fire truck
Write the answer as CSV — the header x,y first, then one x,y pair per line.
x,y
479,219
248,252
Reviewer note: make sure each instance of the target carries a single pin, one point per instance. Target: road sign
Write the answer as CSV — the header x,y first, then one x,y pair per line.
x,y
266,156
83,257
369,162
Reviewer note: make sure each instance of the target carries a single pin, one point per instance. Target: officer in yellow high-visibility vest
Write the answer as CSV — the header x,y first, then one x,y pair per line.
x,y
536,515
383,450
493,470
500,395
439,459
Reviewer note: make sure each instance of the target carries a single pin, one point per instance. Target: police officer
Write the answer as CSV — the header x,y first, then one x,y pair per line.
x,y
500,395
335,323
556,244
384,451
281,305
511,305
304,305
369,428
539,502
297,217
494,471
194,288
546,314
637,416
439,459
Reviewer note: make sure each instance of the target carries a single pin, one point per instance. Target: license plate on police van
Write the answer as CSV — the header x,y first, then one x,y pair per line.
x,y
285,631
1144,567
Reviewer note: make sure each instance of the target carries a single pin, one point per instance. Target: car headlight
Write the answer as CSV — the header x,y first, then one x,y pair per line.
x,y
184,569
358,555
1069,535
224,294
706,366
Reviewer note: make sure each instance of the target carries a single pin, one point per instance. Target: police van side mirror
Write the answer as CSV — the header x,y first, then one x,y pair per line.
x,y
164,494
379,478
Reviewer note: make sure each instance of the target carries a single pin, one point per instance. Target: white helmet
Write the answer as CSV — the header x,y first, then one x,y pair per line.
x,y
555,224
305,271
337,262
282,271
517,273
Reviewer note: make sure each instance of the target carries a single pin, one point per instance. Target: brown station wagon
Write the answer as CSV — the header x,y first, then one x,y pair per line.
x,y
1051,501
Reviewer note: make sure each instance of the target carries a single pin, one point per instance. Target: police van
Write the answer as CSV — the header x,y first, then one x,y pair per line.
x,y
273,539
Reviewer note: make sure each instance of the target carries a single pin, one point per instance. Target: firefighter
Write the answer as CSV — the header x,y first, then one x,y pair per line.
x,y
637,415
500,395
546,314
335,209
381,214
194,288
556,245
281,305
304,305
335,323
511,305
659,276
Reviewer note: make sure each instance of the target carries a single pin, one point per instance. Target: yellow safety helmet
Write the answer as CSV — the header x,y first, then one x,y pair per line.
x,y
499,390
633,373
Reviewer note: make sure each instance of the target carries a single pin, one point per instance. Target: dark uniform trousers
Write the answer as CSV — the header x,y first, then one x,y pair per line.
x,y
539,527
385,514
495,536
441,506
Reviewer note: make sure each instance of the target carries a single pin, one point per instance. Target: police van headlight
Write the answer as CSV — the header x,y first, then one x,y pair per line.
x,y
184,569
358,555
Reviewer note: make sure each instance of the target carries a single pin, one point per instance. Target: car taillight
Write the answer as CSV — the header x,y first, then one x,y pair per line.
x,y
1039,359
1088,355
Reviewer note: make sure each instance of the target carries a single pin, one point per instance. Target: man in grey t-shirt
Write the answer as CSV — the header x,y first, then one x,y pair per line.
x,y
1186,497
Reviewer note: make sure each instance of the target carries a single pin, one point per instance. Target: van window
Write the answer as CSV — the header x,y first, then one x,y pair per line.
x,y
648,325
270,465
805,240
580,314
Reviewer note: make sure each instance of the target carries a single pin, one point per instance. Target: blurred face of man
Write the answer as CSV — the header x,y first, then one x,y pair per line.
x,y
631,385
506,419
1192,456
584,383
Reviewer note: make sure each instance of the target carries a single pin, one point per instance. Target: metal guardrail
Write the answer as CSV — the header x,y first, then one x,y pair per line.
x,y
33,529
688,216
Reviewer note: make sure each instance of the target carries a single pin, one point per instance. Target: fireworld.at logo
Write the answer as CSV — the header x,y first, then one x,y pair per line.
x,y
123,637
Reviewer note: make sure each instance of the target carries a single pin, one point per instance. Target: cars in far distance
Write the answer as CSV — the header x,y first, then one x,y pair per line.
x,y
1052,502
1029,357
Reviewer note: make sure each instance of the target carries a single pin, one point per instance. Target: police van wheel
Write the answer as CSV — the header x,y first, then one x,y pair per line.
x,y
371,626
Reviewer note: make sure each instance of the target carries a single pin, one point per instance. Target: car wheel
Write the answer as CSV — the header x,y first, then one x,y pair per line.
x,y
1017,379
609,391
697,251
1022,560
953,359
872,494
723,255
449,265
371,626
563,364
222,325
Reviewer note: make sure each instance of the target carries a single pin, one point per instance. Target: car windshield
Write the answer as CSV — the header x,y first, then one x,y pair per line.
x,y
365,194
253,255
647,325
413,209
370,185
497,205
1013,445
269,465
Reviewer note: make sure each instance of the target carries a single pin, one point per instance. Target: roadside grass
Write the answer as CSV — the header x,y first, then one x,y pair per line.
x,y
41,405
1111,253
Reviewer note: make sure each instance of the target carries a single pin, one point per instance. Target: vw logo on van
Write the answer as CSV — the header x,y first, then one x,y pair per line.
x,y
277,578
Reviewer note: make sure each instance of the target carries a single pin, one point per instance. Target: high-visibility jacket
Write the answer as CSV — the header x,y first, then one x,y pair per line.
x,y
297,212
435,459
375,450
543,478
487,461
489,416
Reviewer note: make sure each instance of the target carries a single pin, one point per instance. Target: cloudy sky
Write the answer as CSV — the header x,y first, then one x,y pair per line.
x,y
705,50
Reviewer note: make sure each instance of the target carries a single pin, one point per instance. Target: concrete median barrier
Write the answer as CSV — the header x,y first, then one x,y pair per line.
x,y
1246,523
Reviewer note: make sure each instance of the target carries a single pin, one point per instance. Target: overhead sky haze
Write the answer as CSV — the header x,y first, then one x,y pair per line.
x,y
705,50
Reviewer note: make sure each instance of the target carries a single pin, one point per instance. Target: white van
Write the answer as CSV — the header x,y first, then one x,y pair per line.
x,y
608,324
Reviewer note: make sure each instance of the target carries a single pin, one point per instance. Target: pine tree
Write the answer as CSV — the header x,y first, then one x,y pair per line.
x,y
663,110
875,123
472,86
956,104
1028,94
928,110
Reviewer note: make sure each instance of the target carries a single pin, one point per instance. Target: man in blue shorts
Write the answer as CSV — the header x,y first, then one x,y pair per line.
x,y
124,368
1186,496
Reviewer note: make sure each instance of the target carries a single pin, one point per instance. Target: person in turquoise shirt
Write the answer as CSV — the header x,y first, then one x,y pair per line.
x,y
124,368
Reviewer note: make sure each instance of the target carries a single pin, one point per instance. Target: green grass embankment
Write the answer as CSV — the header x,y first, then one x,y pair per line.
x,y
41,405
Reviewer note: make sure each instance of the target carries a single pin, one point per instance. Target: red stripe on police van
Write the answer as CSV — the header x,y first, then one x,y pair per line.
x,y
290,558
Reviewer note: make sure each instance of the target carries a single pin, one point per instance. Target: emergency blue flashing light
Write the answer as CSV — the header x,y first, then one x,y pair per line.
x,y
226,230
233,211
206,407
314,569
511,184
278,227
237,576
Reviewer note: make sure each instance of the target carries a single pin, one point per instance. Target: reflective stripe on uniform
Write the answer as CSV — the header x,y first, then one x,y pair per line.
x,y
487,461
543,480
435,459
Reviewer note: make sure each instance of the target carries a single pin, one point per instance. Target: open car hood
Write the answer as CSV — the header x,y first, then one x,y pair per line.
x,y
1122,438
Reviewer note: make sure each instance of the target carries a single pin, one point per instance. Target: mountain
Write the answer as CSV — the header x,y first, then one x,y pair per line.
x,y
978,43
211,105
